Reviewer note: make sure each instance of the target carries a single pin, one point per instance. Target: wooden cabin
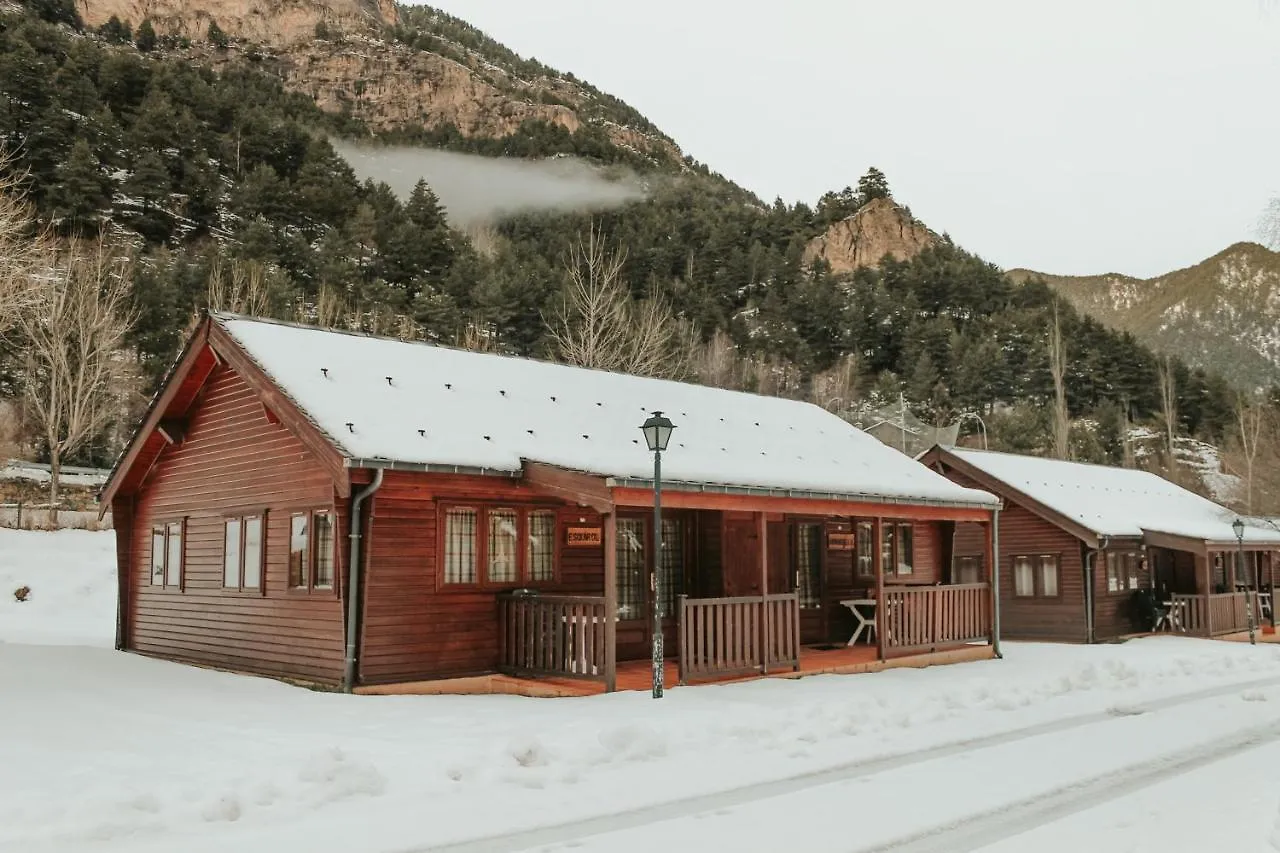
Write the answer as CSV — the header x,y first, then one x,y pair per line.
x,y
349,510
1081,546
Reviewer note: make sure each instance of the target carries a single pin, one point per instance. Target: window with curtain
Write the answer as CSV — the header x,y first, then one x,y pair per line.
x,y
1024,578
886,548
231,553
631,570
157,556
809,565
542,545
968,570
504,546
1122,572
1049,575
299,550
866,561
460,545
174,554
253,552
322,543
671,580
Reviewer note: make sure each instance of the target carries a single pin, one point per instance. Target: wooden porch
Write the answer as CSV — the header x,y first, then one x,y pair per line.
x,y
636,675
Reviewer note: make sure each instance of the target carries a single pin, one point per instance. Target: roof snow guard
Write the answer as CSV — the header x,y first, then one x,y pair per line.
x,y
465,412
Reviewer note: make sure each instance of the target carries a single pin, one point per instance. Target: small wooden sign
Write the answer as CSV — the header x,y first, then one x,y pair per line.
x,y
583,536
841,541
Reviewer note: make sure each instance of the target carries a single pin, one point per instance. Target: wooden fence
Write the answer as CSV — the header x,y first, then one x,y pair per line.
x,y
929,617
722,637
553,635
1213,615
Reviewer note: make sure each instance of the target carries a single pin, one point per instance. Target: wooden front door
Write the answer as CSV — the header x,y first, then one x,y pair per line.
x,y
635,581
740,556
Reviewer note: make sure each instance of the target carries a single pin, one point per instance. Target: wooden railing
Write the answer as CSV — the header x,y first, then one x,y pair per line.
x,y
722,637
927,617
1212,615
556,635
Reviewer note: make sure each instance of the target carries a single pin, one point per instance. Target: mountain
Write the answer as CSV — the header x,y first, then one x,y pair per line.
x,y
204,133
1223,314
879,228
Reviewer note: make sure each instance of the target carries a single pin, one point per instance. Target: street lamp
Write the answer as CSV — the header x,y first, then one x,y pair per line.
x,y
1238,527
657,432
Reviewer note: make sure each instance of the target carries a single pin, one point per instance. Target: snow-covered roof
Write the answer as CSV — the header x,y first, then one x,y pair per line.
x,y
1116,502
411,402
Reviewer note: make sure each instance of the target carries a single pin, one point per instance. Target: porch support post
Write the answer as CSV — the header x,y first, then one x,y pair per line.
x,y
1206,576
610,520
993,577
877,563
762,533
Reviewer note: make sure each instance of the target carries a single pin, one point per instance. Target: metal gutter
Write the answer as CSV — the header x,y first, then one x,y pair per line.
x,y
995,583
353,582
377,464
761,491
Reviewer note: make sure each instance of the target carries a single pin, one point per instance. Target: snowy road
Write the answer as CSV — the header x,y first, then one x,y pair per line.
x,y
1164,744
980,791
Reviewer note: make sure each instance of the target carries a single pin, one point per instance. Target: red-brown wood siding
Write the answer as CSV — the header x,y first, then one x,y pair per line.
x,y
414,628
1022,533
1113,613
234,459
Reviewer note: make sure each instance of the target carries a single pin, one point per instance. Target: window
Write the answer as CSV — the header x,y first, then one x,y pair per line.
x,y
866,567
631,570
541,549
1024,579
498,545
242,553
311,550
1049,575
671,581
504,540
809,565
1036,576
968,570
167,554
905,550
1122,572
299,540
897,549
231,554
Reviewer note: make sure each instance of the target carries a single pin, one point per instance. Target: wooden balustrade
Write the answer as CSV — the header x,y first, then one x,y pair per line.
x,y
721,637
555,635
1212,615
929,617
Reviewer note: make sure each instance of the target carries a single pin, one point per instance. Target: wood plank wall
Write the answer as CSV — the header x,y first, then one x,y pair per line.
x,y
233,459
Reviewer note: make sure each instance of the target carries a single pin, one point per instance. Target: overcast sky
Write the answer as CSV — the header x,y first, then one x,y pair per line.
x,y
1073,137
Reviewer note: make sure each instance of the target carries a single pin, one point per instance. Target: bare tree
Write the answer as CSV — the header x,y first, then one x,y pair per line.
x,y
716,363
1169,408
1126,440
836,388
24,246
1253,424
599,325
239,287
74,342
1058,368
1269,225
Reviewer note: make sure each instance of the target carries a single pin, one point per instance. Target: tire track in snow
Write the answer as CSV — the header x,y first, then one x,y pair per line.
x,y
569,831
980,830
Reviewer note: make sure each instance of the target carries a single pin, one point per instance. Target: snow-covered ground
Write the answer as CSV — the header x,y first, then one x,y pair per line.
x,y
1161,744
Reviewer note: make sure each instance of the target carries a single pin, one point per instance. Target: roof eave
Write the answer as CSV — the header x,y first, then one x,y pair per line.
x,y
804,494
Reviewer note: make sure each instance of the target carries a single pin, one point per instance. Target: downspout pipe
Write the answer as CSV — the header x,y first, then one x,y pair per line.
x,y
353,581
995,580
1090,561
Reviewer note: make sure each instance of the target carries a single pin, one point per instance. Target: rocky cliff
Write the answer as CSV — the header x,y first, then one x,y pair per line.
x,y
879,228
1222,314
358,66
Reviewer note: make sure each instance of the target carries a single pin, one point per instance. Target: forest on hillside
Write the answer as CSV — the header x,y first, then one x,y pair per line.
x,y
225,191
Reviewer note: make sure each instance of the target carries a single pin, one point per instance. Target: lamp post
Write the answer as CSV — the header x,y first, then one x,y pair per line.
x,y
657,432
1238,527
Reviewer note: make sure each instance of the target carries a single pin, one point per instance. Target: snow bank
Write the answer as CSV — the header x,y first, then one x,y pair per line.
x,y
72,576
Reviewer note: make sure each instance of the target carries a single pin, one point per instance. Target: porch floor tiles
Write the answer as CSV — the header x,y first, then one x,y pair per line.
x,y
637,674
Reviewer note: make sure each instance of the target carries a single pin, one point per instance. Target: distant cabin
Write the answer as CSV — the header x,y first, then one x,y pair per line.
x,y
1082,546
351,511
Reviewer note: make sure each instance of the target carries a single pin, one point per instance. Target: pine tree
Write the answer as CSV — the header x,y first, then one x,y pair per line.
x,y
216,36
873,185
116,31
146,41
82,190
148,189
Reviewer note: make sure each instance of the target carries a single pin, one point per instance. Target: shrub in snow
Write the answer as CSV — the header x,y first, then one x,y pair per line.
x,y
22,593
